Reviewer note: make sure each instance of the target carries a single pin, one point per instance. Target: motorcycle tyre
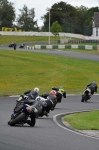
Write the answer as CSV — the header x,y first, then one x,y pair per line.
x,y
17,119
84,98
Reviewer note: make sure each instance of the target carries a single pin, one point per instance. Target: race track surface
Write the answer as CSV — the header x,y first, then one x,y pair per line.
x,y
58,53
46,134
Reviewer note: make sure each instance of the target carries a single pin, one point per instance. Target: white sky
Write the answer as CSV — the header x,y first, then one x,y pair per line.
x,y
41,6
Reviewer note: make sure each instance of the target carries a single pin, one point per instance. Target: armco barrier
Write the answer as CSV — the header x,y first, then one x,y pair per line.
x,y
37,46
81,47
61,46
55,47
98,48
30,47
74,46
43,47
87,47
49,46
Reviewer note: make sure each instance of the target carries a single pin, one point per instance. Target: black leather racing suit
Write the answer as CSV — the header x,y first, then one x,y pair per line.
x,y
51,101
59,95
93,87
31,94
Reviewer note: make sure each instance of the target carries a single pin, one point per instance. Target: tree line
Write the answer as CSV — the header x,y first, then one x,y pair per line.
x,y
71,19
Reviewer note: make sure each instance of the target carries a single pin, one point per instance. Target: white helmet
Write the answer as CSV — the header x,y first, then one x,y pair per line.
x,y
36,89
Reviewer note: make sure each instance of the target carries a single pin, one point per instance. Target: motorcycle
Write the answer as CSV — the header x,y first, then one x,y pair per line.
x,y
60,93
22,112
22,46
11,45
86,95
25,107
35,101
41,105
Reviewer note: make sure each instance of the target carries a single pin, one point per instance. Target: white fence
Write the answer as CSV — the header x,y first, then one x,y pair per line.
x,y
67,35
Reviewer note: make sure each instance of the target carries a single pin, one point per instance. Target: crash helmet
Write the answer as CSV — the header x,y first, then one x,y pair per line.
x,y
94,82
36,89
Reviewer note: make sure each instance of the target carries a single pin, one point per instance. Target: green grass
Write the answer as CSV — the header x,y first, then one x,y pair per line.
x,y
22,39
84,121
20,71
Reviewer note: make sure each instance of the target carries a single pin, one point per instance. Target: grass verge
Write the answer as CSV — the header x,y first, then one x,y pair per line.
x,y
22,39
21,71
84,121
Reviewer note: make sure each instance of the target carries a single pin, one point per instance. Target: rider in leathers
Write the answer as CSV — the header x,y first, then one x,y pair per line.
x,y
31,94
51,101
60,92
93,87
55,96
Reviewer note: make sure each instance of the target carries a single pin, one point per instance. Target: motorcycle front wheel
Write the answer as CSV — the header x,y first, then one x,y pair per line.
x,y
16,120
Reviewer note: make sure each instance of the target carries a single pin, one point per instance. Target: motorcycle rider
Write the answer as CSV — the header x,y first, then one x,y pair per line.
x,y
14,46
93,87
31,94
55,95
50,101
60,92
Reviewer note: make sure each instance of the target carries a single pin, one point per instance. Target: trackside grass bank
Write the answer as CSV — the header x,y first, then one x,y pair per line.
x,y
21,71
84,121
22,39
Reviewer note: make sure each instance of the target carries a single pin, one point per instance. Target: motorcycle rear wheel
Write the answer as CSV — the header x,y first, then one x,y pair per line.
x,y
84,98
17,119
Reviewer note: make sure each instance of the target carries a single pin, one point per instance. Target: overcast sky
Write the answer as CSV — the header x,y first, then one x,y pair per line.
x,y
41,6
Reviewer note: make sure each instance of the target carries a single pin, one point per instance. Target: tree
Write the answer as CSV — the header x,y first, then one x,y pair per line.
x,y
26,19
62,12
81,16
56,28
88,20
7,14
72,19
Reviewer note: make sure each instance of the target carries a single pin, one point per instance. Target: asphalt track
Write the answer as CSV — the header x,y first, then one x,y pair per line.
x,y
59,53
47,135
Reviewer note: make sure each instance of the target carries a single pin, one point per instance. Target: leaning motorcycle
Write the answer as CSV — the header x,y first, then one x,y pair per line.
x,y
86,95
41,105
23,109
37,102
22,112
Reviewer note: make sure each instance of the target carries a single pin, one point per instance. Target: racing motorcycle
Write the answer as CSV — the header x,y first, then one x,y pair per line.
x,y
22,112
11,45
36,101
86,95
22,46
23,109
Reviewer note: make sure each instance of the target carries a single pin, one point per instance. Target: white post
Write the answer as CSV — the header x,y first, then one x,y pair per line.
x,y
49,26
